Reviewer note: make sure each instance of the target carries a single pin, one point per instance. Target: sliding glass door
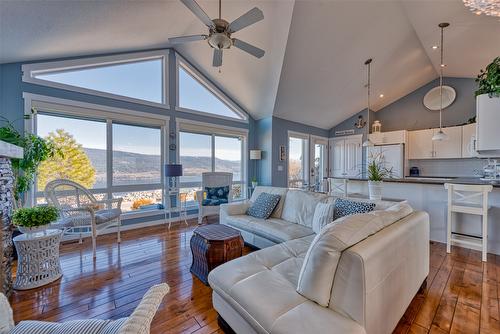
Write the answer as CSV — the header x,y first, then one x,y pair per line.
x,y
319,162
298,160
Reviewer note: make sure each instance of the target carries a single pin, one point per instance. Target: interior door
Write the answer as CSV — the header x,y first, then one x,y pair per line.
x,y
353,157
337,160
319,162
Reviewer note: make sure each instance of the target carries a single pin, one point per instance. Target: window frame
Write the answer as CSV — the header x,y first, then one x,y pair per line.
x,y
185,125
202,80
305,158
90,111
30,70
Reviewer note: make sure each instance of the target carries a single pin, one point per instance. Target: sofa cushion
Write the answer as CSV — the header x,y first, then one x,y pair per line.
x,y
345,207
274,229
300,205
271,190
104,216
263,206
323,215
318,270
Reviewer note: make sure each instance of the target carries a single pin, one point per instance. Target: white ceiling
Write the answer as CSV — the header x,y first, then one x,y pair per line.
x,y
313,70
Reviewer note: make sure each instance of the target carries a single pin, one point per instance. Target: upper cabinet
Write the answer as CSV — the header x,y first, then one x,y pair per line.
x,y
488,119
389,137
421,145
469,141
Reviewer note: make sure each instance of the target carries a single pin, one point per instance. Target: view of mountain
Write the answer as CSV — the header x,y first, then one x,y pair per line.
x,y
130,168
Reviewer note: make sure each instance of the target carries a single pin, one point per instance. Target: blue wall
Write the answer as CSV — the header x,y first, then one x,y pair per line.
x,y
12,103
263,141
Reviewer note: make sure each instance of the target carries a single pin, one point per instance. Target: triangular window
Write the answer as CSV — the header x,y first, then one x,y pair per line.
x,y
194,95
133,80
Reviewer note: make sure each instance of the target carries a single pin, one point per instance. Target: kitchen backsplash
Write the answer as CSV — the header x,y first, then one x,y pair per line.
x,y
449,167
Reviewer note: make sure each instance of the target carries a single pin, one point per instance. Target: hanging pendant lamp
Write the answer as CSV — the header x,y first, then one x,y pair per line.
x,y
440,135
368,142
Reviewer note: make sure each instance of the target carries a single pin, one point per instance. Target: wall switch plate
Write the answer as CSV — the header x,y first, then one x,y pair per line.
x,y
280,168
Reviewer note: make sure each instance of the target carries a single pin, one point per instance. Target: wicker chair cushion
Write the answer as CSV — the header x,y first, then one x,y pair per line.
x,y
88,326
104,216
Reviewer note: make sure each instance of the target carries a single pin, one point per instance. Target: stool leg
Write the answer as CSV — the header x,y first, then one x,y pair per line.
x,y
448,230
485,236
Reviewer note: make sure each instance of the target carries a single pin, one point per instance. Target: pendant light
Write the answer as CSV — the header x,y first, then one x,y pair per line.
x,y
440,135
368,142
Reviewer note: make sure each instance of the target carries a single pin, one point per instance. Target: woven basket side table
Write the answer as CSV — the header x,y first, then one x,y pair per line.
x,y
213,245
38,259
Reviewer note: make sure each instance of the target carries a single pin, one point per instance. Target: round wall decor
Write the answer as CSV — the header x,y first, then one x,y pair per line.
x,y
432,100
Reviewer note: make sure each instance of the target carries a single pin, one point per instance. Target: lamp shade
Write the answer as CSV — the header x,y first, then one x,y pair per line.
x,y
255,154
172,170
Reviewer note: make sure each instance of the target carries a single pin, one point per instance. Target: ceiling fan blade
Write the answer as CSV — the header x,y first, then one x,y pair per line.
x,y
253,50
217,62
252,16
196,9
186,39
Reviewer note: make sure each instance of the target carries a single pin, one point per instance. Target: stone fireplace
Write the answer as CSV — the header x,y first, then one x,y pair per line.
x,y
7,151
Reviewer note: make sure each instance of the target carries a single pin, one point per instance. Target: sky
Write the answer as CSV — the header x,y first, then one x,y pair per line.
x,y
146,85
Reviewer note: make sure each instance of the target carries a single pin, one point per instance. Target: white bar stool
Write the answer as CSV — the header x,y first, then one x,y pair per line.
x,y
337,187
469,199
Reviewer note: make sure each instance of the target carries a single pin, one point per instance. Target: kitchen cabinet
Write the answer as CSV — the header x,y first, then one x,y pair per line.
x,y
346,155
421,145
488,119
389,137
469,141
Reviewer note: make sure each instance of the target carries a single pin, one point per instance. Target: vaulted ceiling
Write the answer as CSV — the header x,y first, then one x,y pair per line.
x,y
312,71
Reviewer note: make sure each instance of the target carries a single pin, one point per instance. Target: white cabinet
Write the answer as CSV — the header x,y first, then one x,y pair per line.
x,y
451,147
345,157
469,141
389,137
421,145
488,120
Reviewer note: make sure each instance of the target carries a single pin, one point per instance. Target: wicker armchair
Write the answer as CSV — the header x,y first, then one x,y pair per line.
x,y
212,179
139,322
81,211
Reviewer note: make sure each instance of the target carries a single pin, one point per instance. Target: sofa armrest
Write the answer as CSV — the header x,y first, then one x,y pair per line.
x,y
6,318
235,208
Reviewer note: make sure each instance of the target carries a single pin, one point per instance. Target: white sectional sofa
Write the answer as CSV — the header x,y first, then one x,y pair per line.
x,y
373,283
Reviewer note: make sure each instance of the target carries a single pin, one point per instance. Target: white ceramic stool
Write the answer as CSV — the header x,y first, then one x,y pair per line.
x,y
38,259
468,199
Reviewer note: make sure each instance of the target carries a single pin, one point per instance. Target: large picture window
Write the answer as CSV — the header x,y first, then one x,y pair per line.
x,y
110,157
202,152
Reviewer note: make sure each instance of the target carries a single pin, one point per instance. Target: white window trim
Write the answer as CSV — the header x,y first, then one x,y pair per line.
x,y
66,107
30,69
182,124
198,76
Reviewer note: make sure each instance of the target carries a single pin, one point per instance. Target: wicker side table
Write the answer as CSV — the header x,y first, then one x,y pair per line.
x,y
213,245
38,259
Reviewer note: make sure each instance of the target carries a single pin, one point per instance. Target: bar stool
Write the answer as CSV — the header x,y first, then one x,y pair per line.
x,y
337,187
469,199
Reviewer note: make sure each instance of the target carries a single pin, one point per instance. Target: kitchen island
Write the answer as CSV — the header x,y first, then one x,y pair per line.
x,y
429,194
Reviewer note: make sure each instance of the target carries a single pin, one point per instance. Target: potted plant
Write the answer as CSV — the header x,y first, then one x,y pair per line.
x,y
489,80
254,182
376,173
36,219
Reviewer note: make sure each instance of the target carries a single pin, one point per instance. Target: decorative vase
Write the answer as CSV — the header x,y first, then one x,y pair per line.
x,y
254,184
31,230
375,190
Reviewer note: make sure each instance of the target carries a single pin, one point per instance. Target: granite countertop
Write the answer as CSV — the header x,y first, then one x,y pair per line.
x,y
437,180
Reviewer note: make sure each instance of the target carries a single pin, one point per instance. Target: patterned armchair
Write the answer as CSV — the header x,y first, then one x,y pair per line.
x,y
218,188
81,211
139,322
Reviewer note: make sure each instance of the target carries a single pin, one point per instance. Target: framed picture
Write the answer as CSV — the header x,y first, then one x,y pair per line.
x,y
282,153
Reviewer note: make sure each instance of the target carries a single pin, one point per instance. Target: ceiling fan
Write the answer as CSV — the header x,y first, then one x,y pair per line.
x,y
219,31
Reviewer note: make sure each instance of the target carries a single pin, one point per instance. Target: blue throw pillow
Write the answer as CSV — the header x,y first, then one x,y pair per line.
x,y
346,207
216,196
264,205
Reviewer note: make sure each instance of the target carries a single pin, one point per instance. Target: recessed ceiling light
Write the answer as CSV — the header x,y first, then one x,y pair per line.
x,y
435,47
381,95
443,65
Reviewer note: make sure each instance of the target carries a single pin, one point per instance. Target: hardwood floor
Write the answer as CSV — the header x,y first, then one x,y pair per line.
x,y
462,293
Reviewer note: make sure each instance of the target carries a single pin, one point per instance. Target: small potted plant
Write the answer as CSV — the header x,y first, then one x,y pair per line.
x,y
376,173
254,182
36,219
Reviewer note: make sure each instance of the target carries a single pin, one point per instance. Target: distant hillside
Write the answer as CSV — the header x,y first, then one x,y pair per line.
x,y
141,168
